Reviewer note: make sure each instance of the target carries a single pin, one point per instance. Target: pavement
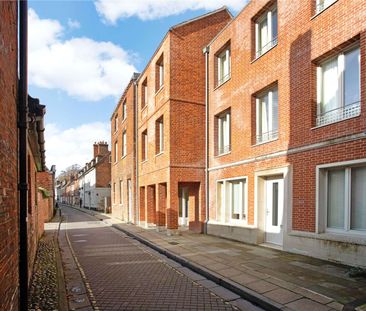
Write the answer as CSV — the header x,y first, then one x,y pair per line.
x,y
107,269
270,278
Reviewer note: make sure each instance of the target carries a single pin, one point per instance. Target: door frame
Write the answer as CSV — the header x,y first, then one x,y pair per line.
x,y
184,220
260,177
129,200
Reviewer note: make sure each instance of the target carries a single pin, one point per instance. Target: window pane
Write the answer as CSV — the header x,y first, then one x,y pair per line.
x,y
220,200
275,204
358,199
336,196
274,24
274,110
263,34
264,115
352,77
330,86
236,199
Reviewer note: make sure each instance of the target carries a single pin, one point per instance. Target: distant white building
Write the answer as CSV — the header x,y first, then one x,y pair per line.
x,y
94,180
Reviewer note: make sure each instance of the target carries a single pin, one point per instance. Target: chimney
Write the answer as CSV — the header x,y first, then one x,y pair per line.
x,y
103,148
95,149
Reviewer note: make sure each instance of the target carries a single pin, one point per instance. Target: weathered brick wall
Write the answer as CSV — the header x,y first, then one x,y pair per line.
x,y
8,157
103,172
303,40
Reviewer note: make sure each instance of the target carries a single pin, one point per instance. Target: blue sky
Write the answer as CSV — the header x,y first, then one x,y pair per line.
x,y
81,56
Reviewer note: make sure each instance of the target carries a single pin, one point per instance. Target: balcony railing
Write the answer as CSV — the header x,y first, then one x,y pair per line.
x,y
267,136
266,47
223,79
223,149
339,114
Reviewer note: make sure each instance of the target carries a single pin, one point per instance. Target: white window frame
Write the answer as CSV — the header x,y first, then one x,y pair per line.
x,y
124,143
124,110
271,42
144,137
224,126
226,197
321,5
121,191
271,134
342,112
116,123
161,134
223,66
322,194
144,85
160,64
115,151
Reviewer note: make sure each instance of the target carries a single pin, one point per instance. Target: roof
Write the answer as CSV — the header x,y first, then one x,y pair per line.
x,y
224,8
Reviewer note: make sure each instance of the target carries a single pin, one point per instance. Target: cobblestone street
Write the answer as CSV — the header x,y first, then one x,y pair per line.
x,y
119,273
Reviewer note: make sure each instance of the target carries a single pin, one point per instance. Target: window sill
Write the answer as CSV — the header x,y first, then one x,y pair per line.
x,y
123,156
271,48
159,154
344,237
143,161
124,120
264,142
222,83
159,90
222,154
324,9
240,224
335,122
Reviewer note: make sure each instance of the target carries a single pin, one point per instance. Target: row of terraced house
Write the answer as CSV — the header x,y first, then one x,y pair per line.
x,y
251,128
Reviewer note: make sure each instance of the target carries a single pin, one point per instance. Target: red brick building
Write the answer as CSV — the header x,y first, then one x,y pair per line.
x,y
171,126
287,148
123,127
39,184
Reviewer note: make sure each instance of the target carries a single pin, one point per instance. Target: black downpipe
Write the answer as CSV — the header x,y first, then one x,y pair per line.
x,y
23,137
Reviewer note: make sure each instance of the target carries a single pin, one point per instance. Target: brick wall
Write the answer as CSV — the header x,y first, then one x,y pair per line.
x,y
303,41
8,157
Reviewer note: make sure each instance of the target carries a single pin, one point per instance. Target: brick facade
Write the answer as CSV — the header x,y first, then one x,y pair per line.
x,y
305,40
8,157
180,104
124,166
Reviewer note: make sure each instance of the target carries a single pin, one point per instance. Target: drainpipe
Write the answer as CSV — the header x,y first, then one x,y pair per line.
x,y
137,192
206,51
23,137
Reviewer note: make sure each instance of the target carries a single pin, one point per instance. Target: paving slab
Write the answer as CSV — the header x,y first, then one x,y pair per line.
x,y
307,305
282,296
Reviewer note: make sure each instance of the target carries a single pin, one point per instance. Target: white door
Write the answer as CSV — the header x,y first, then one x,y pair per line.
x,y
183,207
274,211
129,193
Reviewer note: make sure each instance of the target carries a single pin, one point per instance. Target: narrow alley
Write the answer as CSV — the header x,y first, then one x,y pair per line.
x,y
112,271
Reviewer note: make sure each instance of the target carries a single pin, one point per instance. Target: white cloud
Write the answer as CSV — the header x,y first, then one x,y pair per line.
x,y
73,145
84,68
112,10
73,24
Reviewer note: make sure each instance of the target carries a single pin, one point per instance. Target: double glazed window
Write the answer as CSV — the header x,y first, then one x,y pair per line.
x,y
115,123
231,201
159,73
124,110
115,152
144,94
120,191
223,66
159,139
223,132
266,31
124,143
144,145
345,198
267,116
339,88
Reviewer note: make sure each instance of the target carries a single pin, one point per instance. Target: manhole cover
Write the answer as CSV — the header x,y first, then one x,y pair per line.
x,y
79,300
76,289
173,243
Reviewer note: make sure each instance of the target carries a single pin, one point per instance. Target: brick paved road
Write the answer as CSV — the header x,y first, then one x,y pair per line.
x,y
123,274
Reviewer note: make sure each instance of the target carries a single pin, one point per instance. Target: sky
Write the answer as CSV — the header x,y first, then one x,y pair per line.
x,y
82,55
